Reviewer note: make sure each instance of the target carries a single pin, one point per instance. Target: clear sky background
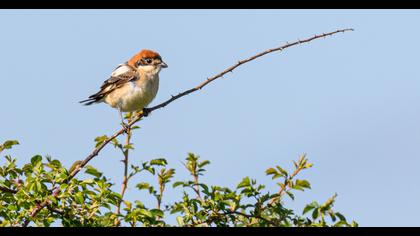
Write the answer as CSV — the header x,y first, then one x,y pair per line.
x,y
351,101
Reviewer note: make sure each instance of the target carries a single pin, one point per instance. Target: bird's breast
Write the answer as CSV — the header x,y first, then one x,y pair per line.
x,y
135,95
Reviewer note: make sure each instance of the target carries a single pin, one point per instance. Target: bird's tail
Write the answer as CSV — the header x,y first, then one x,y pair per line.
x,y
95,98
89,101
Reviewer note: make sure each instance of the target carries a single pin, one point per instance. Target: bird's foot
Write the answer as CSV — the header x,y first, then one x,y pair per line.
x,y
146,111
125,127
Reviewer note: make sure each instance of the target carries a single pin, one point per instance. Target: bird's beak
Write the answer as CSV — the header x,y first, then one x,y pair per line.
x,y
163,65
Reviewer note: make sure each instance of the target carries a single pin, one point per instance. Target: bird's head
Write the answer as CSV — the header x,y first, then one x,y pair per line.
x,y
147,61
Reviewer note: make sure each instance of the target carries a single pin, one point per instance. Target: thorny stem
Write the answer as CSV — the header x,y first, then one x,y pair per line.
x,y
97,149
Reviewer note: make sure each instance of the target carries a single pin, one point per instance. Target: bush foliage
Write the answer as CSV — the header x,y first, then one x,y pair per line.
x,y
90,201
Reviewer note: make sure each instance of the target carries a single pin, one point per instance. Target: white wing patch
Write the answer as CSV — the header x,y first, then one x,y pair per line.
x,y
121,69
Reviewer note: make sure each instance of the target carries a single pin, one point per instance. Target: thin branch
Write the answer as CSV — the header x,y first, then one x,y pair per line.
x,y
197,187
250,216
161,188
60,212
7,190
231,68
39,207
285,184
125,178
195,176
193,172
96,151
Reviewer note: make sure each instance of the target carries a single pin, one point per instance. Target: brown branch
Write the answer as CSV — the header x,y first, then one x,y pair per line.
x,y
7,190
39,207
197,186
96,151
231,68
125,178
60,212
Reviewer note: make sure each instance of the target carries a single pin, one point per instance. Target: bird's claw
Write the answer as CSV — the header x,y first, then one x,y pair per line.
x,y
146,112
125,127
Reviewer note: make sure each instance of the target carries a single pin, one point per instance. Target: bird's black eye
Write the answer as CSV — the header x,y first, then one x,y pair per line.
x,y
148,60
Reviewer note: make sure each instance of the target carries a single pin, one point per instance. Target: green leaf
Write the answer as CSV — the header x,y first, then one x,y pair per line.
x,y
205,188
271,171
63,186
92,171
282,171
116,143
139,204
100,139
192,157
278,175
308,208
246,182
8,144
145,213
127,204
115,196
315,213
303,183
135,127
169,174
88,181
151,170
38,186
341,223
74,165
78,197
178,183
12,207
203,163
291,195
157,212
36,159
176,208
55,163
180,220
129,146
159,161
340,216
354,224
332,215
143,185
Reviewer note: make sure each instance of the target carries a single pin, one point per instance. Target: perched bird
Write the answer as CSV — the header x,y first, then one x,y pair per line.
x,y
132,85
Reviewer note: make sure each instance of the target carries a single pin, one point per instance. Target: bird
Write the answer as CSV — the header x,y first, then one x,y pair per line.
x,y
132,85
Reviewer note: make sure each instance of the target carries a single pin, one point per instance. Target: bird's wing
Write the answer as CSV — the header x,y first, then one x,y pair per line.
x,y
121,75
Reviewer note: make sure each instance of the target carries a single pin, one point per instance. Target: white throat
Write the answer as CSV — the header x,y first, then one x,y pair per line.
x,y
150,69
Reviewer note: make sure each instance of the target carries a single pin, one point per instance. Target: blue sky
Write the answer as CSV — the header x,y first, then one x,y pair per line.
x,y
349,101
